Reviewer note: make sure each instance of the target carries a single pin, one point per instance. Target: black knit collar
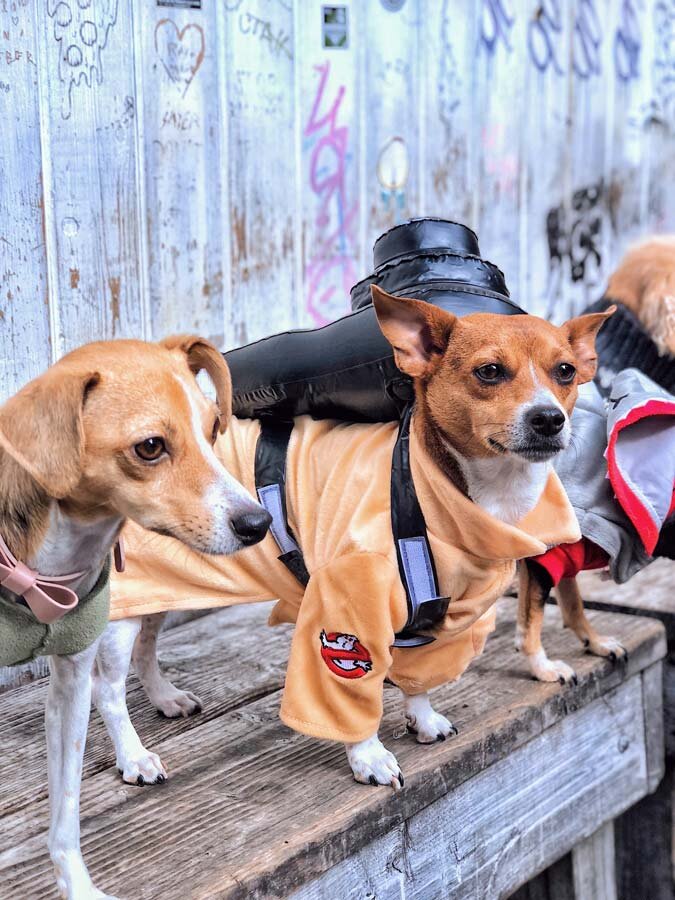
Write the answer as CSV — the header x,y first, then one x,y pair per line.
x,y
623,343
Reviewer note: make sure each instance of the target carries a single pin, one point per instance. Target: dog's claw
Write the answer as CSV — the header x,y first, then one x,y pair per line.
x,y
550,670
397,782
608,647
142,770
174,703
433,727
371,762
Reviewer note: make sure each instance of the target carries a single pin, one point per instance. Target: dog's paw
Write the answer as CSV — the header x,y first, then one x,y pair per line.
x,y
372,763
545,669
143,769
72,879
608,647
430,726
174,703
89,893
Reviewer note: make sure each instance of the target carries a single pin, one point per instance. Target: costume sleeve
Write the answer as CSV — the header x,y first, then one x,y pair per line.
x,y
341,649
567,560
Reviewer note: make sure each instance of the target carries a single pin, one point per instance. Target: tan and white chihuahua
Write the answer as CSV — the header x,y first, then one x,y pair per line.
x,y
113,430
494,396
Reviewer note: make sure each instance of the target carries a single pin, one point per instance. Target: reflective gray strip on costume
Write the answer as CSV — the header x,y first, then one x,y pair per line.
x,y
417,571
270,498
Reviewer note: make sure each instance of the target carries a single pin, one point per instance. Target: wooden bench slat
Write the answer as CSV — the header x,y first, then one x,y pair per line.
x,y
521,814
196,653
253,809
649,593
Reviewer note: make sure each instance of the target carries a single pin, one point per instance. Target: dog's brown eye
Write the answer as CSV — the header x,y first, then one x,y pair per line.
x,y
216,430
151,449
490,373
565,373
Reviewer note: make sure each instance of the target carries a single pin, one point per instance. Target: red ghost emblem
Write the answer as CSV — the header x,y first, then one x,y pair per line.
x,y
345,655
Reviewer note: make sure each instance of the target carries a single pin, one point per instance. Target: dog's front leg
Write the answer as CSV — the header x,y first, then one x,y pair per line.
x,y
372,763
169,700
136,764
423,720
66,720
534,588
574,617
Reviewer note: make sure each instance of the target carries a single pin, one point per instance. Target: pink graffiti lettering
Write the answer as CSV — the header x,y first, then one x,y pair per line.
x,y
331,271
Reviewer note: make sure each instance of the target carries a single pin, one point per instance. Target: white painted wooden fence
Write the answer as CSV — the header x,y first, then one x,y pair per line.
x,y
224,166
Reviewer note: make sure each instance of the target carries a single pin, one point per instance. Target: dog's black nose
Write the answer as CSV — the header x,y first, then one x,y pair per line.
x,y
251,527
546,420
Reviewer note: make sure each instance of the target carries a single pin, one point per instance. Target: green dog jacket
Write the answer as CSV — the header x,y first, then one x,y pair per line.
x,y
23,638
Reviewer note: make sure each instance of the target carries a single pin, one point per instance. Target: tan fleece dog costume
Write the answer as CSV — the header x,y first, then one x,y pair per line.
x,y
338,498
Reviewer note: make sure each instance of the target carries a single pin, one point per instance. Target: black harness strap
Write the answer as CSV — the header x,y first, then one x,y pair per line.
x,y
415,561
270,482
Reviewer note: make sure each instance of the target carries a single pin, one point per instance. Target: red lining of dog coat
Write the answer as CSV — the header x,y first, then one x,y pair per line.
x,y
630,503
567,560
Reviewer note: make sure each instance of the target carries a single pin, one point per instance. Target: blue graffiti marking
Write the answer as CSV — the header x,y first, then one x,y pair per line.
x,y
587,41
628,43
496,24
544,32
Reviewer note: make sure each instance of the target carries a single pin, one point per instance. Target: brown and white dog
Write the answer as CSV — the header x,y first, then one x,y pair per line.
x,y
494,396
644,282
113,430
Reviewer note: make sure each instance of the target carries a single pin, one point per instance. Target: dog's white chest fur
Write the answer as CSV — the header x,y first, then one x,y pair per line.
x,y
71,545
507,488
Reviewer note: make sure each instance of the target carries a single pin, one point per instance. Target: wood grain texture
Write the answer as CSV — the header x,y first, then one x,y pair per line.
x,y
259,54
500,69
253,809
593,866
509,822
449,163
329,100
392,136
88,123
221,169
185,170
25,348
649,593
644,846
555,883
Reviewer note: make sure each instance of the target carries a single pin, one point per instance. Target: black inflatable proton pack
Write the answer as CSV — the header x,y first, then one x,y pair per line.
x,y
346,370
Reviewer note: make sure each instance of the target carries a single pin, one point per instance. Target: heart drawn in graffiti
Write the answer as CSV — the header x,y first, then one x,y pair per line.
x,y
180,51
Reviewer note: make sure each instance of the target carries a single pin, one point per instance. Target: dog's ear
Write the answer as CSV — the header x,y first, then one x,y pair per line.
x,y
581,333
41,427
201,354
419,332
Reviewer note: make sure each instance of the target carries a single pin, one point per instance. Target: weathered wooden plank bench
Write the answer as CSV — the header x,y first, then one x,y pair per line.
x,y
254,810
651,593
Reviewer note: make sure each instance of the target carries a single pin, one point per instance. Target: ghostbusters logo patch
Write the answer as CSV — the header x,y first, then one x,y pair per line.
x,y
344,654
